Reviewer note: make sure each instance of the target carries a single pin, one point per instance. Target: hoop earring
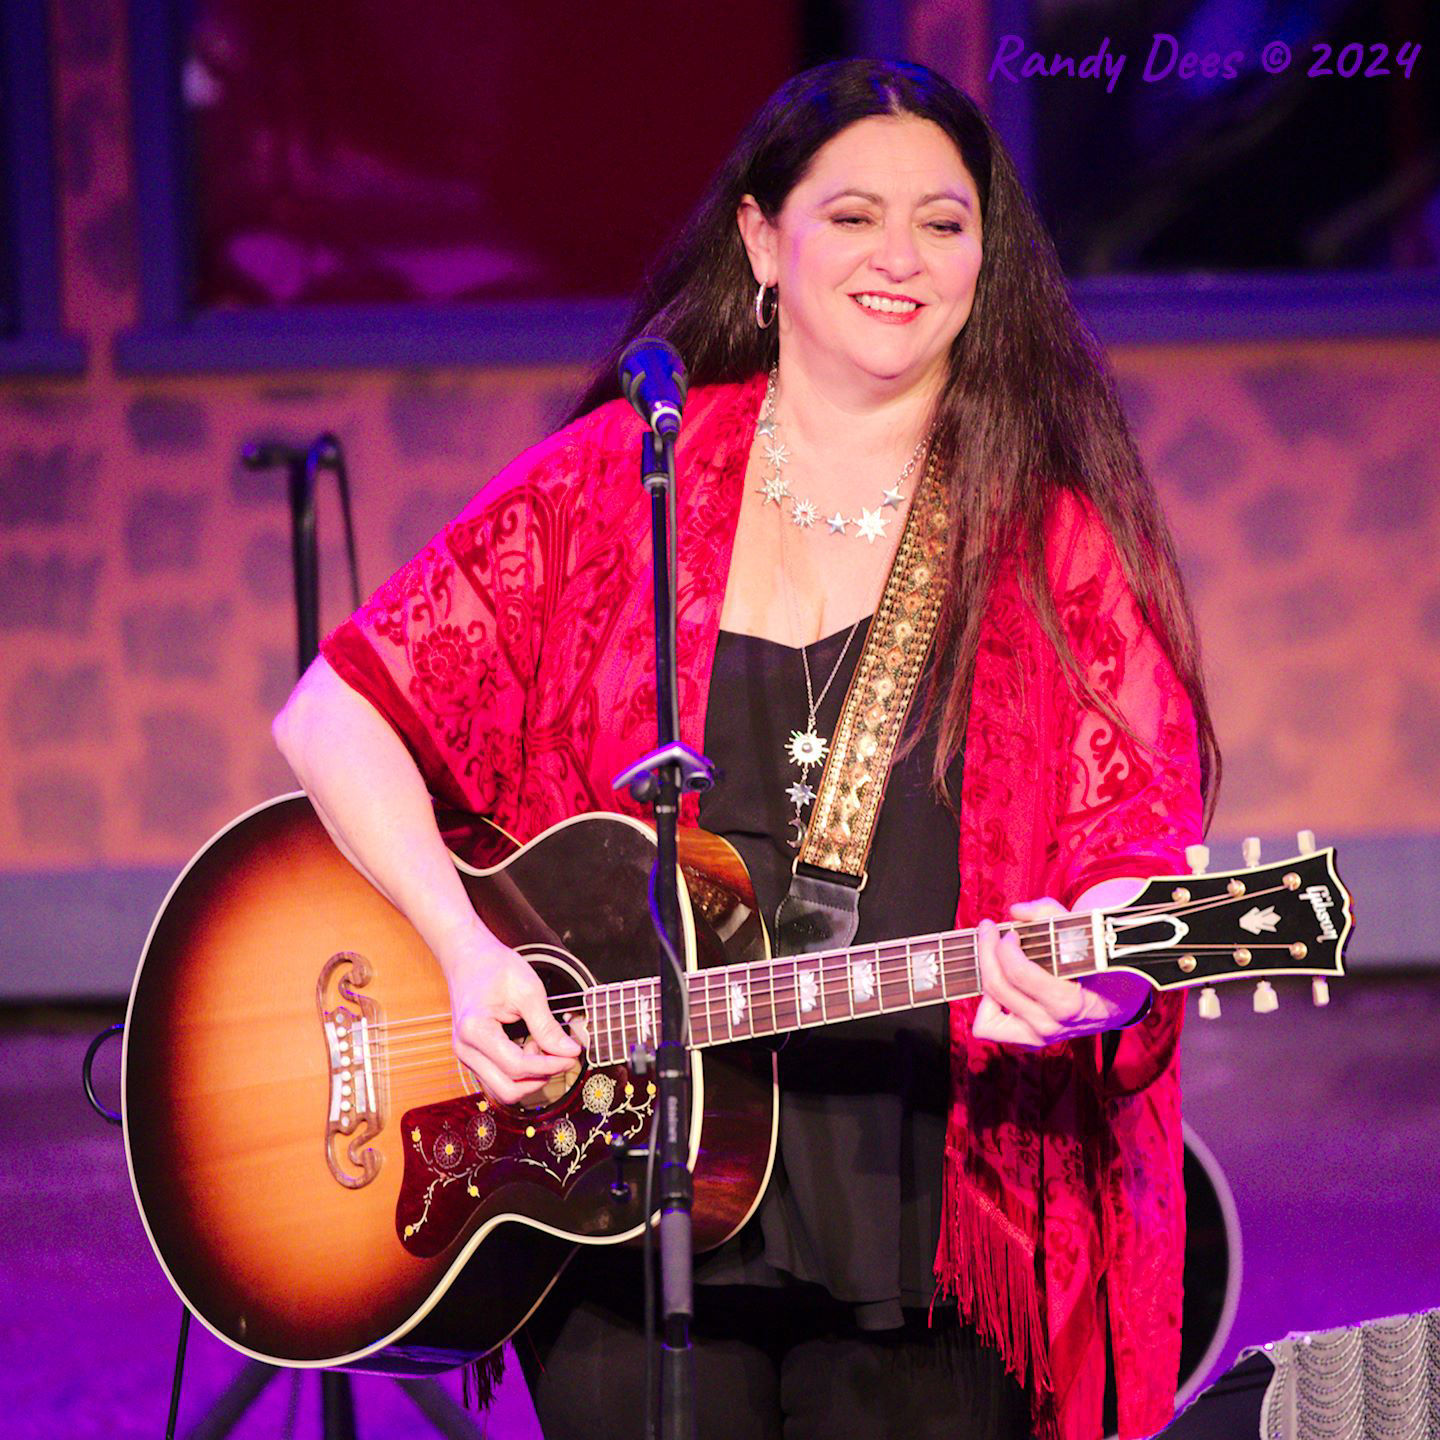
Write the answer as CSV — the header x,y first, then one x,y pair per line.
x,y
760,318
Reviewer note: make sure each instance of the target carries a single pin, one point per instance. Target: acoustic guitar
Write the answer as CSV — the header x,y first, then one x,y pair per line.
x,y
325,1185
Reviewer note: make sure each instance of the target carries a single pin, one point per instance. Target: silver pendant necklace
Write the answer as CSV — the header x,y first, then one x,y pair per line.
x,y
807,748
869,524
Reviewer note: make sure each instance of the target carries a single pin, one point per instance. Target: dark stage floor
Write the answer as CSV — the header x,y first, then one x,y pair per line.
x,y
1326,1123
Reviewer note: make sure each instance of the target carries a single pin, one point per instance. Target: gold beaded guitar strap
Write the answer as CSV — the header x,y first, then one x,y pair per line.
x,y
822,908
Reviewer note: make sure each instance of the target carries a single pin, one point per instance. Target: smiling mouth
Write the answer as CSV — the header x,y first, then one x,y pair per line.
x,y
885,304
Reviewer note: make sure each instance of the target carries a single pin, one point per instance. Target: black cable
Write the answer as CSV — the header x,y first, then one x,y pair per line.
x,y
652,1339
179,1372
87,1074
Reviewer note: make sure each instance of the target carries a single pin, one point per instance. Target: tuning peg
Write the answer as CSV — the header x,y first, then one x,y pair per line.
x,y
1305,839
1208,1005
1266,1000
1197,857
1320,990
1250,851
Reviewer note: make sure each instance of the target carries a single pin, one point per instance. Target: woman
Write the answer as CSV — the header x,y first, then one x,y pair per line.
x,y
864,293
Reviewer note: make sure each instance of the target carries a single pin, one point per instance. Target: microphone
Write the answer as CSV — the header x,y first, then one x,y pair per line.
x,y
653,380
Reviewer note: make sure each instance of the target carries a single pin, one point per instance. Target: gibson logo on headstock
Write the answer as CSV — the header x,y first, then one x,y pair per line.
x,y
1322,902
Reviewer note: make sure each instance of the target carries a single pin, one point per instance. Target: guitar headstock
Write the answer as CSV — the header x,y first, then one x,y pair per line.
x,y
1256,923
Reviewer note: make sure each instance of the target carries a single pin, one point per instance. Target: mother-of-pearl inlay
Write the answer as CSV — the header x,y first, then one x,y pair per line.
x,y
925,971
1073,944
645,1018
809,983
737,1002
862,980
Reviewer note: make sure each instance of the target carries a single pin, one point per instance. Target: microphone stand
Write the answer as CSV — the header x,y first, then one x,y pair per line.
x,y
302,469
659,779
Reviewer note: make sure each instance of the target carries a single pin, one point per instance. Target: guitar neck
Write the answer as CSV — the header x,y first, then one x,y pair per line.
x,y
1290,918
799,992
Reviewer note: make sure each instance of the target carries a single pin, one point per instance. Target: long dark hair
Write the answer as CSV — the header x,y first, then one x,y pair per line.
x,y
1028,408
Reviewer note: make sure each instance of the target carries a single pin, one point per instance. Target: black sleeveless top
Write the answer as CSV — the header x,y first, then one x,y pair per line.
x,y
853,1203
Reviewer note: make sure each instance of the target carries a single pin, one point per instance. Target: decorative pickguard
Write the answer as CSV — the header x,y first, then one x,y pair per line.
x,y
458,1152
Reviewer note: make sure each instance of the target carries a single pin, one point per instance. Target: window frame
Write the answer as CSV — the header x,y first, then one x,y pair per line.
x,y
1221,305
38,344
1121,309
168,338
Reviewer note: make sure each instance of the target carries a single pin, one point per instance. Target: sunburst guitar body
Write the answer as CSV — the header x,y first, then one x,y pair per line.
x,y
292,1107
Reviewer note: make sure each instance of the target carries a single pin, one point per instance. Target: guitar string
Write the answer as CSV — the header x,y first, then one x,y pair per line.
x,y
444,1063
702,1008
780,1010
894,972
603,1041
784,1015
630,997
640,992
887,966
1040,929
1074,925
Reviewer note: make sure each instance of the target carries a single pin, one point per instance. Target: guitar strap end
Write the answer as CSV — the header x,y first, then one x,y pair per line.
x,y
820,911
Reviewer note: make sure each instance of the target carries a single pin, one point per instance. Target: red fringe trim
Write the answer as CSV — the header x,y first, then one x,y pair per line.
x,y
987,1263
480,1378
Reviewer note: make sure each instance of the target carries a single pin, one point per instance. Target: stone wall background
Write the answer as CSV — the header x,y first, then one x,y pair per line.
x,y
147,633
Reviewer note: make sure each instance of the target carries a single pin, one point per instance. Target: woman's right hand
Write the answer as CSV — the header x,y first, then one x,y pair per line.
x,y
491,986
385,824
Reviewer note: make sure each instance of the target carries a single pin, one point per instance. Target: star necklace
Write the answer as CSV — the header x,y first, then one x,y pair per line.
x,y
807,748
869,524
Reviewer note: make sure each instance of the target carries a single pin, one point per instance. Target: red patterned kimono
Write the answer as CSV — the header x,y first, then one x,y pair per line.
x,y
515,658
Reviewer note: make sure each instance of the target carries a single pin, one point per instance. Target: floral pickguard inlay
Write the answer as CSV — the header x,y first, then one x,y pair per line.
x,y
458,1151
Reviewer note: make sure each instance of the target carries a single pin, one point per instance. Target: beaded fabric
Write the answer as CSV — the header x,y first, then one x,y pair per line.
x,y
1378,1381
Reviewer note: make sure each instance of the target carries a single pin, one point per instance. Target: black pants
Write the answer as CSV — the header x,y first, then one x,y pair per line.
x,y
770,1364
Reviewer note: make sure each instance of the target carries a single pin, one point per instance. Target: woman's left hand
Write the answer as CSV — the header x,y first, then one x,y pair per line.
x,y
1024,1004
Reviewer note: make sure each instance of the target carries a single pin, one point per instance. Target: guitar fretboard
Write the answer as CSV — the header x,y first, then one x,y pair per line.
x,y
797,992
